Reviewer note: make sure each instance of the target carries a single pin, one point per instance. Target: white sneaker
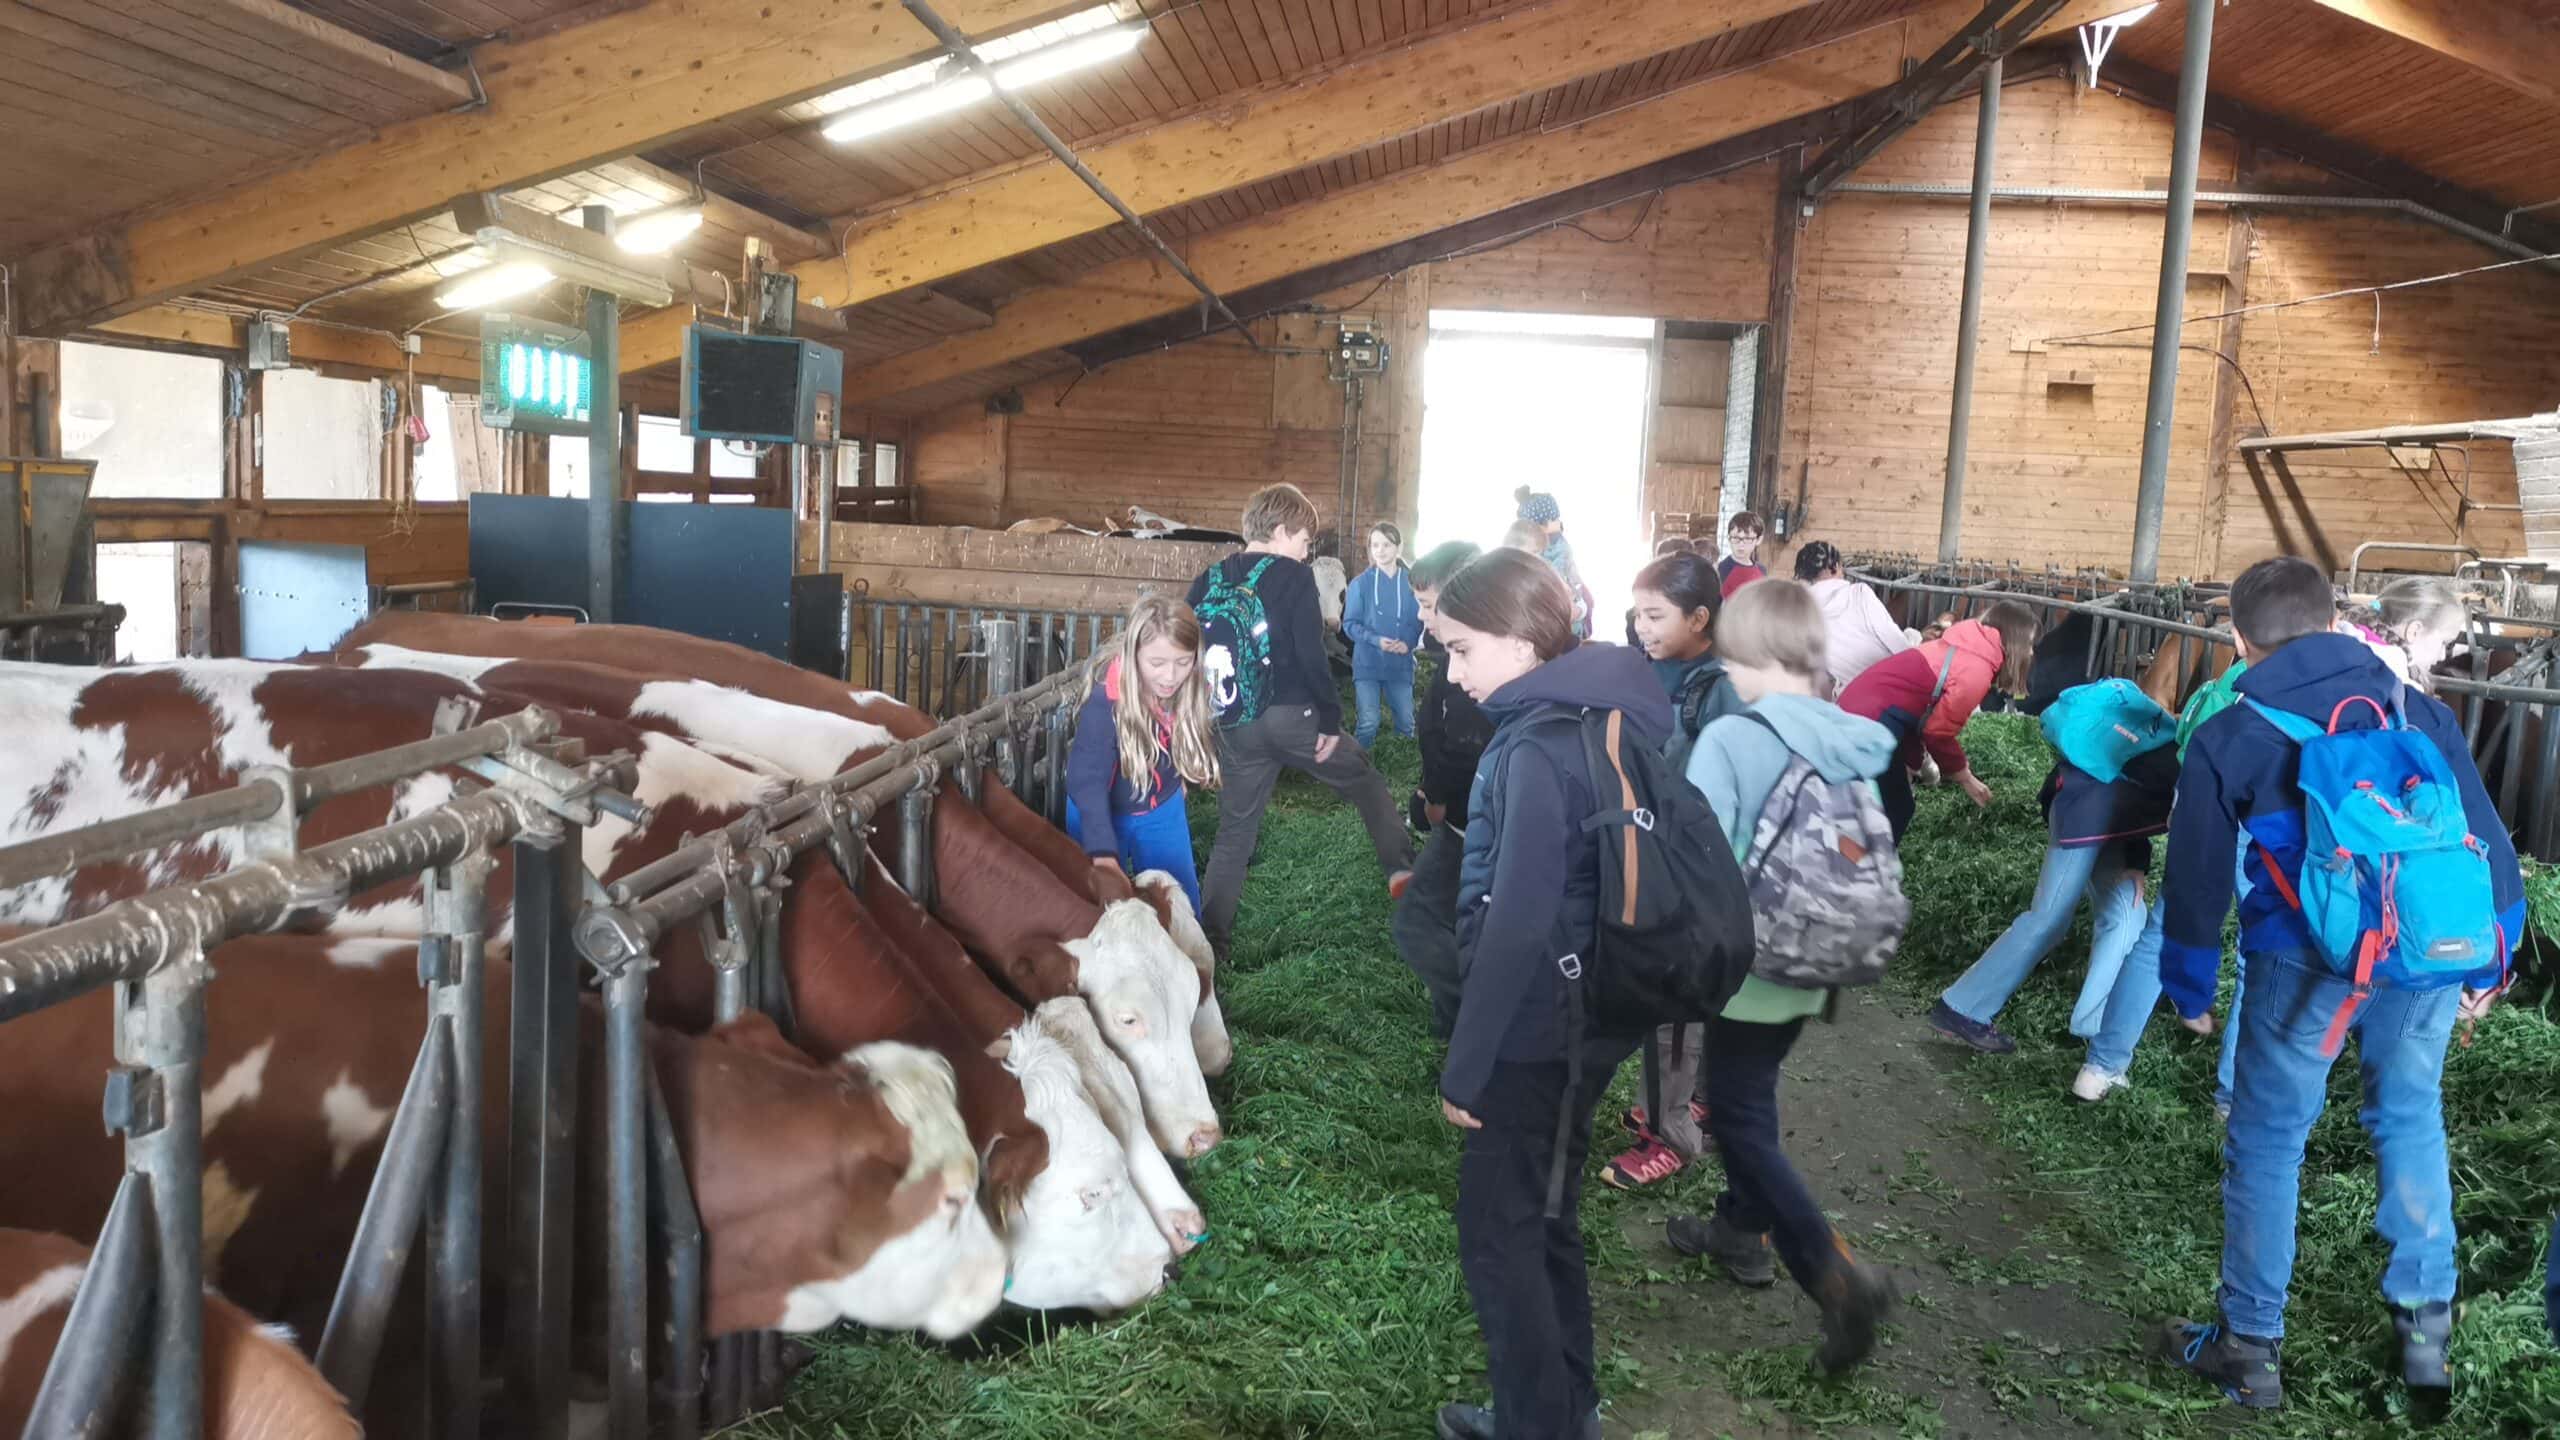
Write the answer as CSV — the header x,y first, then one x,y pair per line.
x,y
2094,1084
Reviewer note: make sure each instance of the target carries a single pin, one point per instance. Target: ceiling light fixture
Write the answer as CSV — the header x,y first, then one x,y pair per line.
x,y
494,283
960,90
657,232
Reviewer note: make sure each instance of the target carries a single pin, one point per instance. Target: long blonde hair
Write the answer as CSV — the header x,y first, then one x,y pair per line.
x,y
1134,714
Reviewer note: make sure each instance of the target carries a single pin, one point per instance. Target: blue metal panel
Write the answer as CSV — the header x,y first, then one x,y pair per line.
x,y
529,550
719,571
297,598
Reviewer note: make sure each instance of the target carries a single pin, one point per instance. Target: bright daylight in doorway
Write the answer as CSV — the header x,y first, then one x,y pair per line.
x,y
1553,402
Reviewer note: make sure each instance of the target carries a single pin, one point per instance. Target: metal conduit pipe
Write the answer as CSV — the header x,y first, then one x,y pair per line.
x,y
2505,244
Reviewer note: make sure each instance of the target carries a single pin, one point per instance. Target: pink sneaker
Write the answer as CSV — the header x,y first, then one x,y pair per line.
x,y
1650,1162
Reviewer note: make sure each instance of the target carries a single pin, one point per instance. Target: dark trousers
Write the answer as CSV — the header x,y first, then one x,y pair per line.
x,y
1426,924
1763,1193
1893,787
1251,758
1525,1272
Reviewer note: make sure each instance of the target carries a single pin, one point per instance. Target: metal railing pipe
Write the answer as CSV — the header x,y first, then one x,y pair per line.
x,y
88,1381
404,1181
166,1041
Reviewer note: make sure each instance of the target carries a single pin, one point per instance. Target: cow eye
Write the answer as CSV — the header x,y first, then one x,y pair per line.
x,y
1130,1020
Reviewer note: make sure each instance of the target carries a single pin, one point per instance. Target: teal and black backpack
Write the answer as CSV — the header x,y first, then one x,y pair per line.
x,y
1235,644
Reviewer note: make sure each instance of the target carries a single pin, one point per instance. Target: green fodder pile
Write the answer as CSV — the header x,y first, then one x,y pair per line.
x,y
2141,1172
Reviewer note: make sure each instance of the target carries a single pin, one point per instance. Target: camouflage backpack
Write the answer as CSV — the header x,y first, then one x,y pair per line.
x,y
1825,881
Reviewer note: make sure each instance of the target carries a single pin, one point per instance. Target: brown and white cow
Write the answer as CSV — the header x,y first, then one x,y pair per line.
x,y
257,1386
1077,1230
1174,1085
827,1192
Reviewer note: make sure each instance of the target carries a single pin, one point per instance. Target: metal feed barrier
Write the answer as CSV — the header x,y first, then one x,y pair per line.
x,y
123,1353
935,657
2134,622
124,1332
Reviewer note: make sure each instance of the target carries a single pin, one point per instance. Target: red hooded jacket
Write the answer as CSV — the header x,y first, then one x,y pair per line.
x,y
1903,683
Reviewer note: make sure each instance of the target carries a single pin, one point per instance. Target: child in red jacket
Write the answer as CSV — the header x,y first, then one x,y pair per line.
x,y
1926,694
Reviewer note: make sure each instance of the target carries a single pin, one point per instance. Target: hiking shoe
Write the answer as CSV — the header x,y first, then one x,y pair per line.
x,y
1649,1162
2425,1335
2243,1367
1745,1257
2094,1084
1855,1299
1989,1039
1475,1422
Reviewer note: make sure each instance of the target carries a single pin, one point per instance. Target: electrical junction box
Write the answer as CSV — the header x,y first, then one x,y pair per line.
x,y
763,388
1357,355
534,376
270,345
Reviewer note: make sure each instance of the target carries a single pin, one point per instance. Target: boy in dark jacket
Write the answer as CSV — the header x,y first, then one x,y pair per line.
x,y
1300,726
1453,732
2240,773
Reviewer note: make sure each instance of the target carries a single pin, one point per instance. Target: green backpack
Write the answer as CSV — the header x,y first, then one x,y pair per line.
x,y
1235,644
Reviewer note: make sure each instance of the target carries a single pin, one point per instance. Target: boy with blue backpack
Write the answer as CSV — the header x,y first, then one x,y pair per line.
x,y
1262,654
2384,894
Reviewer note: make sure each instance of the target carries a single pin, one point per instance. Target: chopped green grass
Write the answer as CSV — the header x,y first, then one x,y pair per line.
x,y
1329,1301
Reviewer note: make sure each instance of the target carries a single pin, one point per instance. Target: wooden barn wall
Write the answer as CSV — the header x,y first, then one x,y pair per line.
x,y
2057,428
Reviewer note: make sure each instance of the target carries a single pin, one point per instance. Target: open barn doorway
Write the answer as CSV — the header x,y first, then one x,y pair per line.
x,y
1554,402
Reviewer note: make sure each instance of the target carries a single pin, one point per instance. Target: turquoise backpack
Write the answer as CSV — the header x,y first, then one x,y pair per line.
x,y
2100,727
2395,888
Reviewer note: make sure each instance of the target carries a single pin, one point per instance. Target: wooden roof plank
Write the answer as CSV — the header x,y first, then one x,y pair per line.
x,y
557,102
2517,45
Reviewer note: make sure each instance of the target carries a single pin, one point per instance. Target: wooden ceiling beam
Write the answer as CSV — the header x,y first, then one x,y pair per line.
x,y
441,357
2512,42
1268,132
270,26
792,242
1477,183
1306,286
556,103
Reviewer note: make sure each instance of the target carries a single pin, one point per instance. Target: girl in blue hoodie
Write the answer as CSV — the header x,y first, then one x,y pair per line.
x,y
1384,622
1528,896
1771,639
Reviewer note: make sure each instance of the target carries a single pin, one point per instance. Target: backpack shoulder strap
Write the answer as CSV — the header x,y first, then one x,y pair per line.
x,y
2296,728
1253,576
1946,666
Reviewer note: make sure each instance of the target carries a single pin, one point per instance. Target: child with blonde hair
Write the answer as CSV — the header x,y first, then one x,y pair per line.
x,y
1144,733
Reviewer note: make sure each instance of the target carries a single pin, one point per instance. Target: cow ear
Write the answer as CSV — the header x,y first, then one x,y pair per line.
x,y
1001,1047
1152,888
756,1031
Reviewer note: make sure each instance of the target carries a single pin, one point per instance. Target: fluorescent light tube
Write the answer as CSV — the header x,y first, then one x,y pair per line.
x,y
900,110
495,283
1051,61
657,232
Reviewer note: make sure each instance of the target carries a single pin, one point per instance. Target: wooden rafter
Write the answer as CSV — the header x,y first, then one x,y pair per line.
x,y
1477,183
2515,42
628,80
1268,132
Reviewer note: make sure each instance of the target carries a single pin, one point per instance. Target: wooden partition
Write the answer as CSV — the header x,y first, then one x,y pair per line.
x,y
954,564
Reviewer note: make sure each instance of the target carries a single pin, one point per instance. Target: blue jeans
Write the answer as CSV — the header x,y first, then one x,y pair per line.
x,y
2097,871
2281,1085
2137,994
1399,701
1158,839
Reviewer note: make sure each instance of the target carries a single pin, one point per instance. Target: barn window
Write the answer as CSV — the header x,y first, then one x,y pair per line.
x,y
664,447
569,466
323,437
729,462
152,420
432,472
884,465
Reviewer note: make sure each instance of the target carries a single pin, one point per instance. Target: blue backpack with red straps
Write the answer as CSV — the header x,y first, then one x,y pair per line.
x,y
2395,888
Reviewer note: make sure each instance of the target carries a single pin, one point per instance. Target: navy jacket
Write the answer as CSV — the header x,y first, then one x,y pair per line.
x,y
1301,672
1452,731
2083,812
1379,607
1528,889
2239,773
1094,780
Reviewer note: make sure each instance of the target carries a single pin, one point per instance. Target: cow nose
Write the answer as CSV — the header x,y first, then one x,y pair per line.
x,y
1204,1140
1172,1271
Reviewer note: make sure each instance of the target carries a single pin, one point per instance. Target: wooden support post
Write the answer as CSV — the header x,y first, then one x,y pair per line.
x,y
2214,513
1769,408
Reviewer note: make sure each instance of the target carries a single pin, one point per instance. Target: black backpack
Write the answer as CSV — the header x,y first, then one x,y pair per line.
x,y
1675,934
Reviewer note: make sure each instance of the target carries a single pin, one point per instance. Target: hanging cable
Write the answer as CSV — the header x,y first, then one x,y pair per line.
x,y
2375,290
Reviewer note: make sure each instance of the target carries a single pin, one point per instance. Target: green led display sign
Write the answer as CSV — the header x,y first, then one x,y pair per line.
x,y
534,376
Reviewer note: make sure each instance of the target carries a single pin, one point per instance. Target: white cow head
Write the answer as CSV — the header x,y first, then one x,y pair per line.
x,y
1209,1037
1084,1238
1144,995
